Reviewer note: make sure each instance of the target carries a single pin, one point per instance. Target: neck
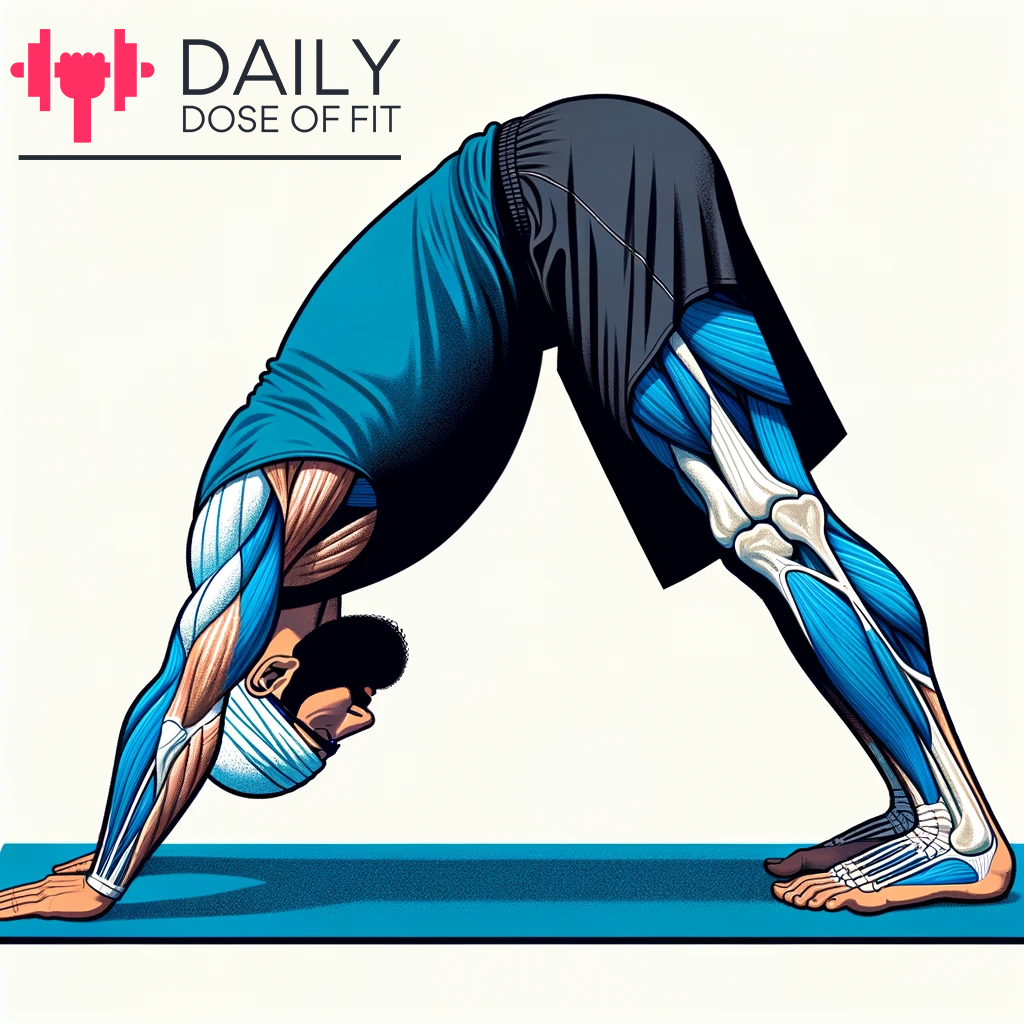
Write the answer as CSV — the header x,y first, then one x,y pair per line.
x,y
295,623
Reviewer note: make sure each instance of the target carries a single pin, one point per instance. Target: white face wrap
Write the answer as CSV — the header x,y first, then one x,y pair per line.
x,y
260,753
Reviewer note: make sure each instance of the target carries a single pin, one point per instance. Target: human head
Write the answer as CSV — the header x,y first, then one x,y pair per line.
x,y
333,673
294,707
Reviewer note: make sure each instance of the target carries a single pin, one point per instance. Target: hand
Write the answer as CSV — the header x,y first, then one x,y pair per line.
x,y
79,866
68,897
82,75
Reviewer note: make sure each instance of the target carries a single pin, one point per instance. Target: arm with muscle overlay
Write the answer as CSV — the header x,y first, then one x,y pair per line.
x,y
252,534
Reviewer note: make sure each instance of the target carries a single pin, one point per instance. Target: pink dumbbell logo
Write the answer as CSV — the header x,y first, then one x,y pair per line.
x,y
83,77
38,69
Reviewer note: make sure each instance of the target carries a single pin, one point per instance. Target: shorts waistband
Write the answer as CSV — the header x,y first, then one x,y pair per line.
x,y
510,186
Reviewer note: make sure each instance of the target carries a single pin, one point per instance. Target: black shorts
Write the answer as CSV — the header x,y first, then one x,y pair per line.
x,y
620,216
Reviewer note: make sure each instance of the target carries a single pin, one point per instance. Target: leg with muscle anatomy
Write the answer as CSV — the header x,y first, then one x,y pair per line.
x,y
245,541
713,410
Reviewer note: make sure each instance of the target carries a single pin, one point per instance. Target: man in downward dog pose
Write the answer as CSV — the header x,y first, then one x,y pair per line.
x,y
307,675
606,227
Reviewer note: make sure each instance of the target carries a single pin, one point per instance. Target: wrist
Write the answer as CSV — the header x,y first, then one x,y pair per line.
x,y
105,888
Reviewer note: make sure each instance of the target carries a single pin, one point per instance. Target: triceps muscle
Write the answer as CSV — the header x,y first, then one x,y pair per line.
x,y
311,492
332,554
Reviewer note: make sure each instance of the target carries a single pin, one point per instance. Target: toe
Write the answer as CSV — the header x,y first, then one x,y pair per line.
x,y
797,891
806,895
805,884
837,901
860,902
783,889
784,867
824,894
853,899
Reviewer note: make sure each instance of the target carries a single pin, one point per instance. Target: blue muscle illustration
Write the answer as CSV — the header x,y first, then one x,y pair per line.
x,y
605,228
236,554
711,409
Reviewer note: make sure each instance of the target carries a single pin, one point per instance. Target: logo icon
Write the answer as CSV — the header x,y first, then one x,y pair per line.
x,y
83,77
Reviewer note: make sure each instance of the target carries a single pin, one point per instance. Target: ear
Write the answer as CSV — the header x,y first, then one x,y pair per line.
x,y
271,676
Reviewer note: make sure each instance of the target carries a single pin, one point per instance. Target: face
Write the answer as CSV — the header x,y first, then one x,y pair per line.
x,y
329,714
332,715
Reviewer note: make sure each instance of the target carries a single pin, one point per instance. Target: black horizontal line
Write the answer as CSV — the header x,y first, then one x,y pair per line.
x,y
209,156
82,938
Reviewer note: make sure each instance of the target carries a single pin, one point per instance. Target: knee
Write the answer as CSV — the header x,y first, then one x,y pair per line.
x,y
763,549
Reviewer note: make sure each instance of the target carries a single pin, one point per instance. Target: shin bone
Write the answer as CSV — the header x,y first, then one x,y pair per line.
x,y
763,549
972,834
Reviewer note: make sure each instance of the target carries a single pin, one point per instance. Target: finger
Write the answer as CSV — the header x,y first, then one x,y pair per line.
x,y
20,908
76,866
23,891
60,882
15,888
33,889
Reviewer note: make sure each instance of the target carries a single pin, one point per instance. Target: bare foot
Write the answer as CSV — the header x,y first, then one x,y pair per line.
x,y
920,867
897,821
817,858
68,897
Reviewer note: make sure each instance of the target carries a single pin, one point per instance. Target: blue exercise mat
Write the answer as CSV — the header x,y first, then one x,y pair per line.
x,y
487,893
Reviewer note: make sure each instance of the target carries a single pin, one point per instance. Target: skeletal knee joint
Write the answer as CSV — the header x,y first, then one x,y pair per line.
x,y
802,519
764,549
724,512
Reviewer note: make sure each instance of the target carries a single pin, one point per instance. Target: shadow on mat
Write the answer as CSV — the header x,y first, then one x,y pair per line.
x,y
309,884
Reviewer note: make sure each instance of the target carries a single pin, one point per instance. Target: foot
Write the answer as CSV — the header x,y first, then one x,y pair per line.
x,y
897,821
68,897
919,867
818,858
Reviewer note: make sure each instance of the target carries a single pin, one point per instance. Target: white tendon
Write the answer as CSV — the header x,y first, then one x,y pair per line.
x,y
748,491
803,519
174,737
173,740
754,487
765,550
902,858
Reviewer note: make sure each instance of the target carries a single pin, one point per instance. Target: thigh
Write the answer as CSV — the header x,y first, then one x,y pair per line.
x,y
626,218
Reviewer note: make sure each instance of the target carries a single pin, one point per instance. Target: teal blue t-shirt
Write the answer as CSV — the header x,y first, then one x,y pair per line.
x,y
405,364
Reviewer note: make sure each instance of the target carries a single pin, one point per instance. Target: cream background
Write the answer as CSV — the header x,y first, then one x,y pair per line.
x,y
874,150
